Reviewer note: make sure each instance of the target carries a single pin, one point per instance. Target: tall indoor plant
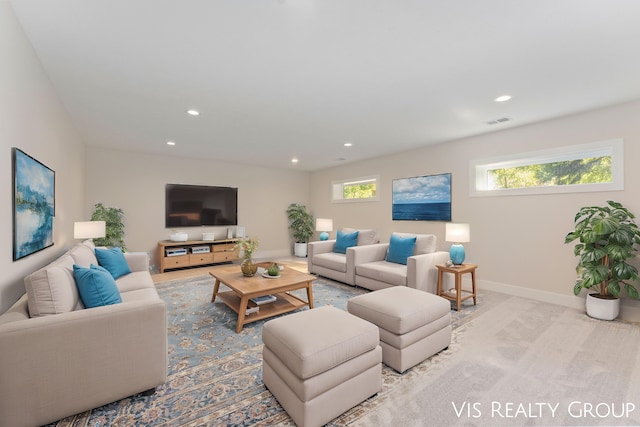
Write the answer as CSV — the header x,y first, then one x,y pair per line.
x,y
607,237
114,223
301,226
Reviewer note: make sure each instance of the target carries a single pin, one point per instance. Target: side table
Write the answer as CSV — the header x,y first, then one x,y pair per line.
x,y
458,271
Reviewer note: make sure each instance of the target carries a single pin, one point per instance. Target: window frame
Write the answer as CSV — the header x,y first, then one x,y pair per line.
x,y
478,169
343,182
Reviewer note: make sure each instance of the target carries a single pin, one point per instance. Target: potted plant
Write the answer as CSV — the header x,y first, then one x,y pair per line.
x,y
247,246
607,237
301,226
114,225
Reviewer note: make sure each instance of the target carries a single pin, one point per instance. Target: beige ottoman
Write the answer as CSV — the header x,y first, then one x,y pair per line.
x,y
414,325
319,363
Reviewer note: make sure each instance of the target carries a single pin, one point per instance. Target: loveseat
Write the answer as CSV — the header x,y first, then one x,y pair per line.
x,y
374,270
58,358
324,259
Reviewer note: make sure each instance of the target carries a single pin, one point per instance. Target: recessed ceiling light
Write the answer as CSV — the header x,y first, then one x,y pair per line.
x,y
348,144
503,98
171,143
294,160
193,112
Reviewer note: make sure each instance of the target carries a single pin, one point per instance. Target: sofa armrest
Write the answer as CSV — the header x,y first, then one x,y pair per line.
x,y
67,363
368,253
422,273
138,261
316,248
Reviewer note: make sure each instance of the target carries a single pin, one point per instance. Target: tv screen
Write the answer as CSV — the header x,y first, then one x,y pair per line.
x,y
198,205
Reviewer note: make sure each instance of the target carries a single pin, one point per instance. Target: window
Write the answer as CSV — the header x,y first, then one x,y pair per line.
x,y
356,190
596,166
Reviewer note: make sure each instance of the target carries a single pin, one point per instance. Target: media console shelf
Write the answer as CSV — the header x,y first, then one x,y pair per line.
x,y
218,251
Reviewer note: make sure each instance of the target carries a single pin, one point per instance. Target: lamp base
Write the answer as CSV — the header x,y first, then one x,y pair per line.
x,y
324,236
457,253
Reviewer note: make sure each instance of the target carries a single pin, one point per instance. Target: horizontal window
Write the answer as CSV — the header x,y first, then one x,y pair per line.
x,y
596,166
356,190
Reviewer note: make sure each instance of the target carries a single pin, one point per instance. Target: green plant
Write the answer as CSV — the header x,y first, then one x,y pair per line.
x,y
607,237
300,222
247,246
114,220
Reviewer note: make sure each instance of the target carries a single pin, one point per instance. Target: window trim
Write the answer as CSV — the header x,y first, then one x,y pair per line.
x,y
343,182
478,169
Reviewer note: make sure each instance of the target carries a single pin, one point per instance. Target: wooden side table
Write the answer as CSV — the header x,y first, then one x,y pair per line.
x,y
458,271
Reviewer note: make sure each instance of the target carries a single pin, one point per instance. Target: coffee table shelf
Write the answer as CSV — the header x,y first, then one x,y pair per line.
x,y
284,303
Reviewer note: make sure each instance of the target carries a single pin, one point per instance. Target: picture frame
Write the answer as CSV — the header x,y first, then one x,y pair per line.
x,y
422,198
33,204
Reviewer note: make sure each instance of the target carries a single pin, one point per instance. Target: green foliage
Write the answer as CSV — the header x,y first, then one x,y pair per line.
x,y
360,191
247,246
300,222
114,219
582,171
608,236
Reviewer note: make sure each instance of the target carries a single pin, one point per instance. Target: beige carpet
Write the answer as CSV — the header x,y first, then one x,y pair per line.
x,y
520,362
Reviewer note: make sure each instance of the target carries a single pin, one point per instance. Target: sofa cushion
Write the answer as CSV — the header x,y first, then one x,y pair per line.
x,y
344,241
425,243
96,285
134,281
383,271
367,236
83,255
52,289
113,260
400,248
332,261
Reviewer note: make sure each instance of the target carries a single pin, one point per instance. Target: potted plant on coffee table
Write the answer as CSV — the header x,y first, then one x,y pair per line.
x,y
247,246
607,237
301,226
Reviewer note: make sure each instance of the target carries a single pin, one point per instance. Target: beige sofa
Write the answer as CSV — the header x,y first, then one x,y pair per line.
x,y
373,272
58,359
323,261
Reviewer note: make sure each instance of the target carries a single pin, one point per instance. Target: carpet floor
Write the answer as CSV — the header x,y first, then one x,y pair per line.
x,y
509,358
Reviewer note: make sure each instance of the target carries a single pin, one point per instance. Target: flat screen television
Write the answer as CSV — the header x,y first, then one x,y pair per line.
x,y
199,205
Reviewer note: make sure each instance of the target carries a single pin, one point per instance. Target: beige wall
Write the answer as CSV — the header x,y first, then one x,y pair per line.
x,y
516,240
32,119
135,183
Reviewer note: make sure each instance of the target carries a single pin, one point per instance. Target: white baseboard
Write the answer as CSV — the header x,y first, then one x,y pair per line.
x,y
629,309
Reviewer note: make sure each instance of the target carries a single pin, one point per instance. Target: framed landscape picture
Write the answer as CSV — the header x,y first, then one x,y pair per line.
x,y
422,198
33,205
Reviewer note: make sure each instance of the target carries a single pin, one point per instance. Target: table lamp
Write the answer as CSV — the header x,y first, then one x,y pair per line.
x,y
458,234
89,229
324,225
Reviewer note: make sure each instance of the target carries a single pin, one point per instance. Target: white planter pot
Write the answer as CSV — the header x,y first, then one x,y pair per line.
x,y
602,308
300,250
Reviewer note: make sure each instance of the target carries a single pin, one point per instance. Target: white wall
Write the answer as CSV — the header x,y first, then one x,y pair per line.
x,y
518,240
32,119
135,183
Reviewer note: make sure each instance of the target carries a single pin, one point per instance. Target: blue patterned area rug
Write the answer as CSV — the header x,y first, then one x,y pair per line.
x,y
215,375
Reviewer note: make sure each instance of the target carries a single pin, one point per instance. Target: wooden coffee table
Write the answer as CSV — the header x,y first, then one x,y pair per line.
x,y
244,288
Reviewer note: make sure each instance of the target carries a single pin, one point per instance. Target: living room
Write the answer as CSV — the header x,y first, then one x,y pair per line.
x,y
517,241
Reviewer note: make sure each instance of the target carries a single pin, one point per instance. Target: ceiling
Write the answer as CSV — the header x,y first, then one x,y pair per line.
x,y
278,79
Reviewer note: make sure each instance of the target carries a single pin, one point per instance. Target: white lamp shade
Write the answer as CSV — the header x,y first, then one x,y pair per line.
x,y
89,229
457,233
324,224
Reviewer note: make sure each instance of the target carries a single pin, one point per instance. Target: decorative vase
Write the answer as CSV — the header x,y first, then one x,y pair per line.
x,y
248,267
603,308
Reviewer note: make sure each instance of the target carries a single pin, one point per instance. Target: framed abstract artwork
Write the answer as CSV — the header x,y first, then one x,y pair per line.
x,y
422,198
33,205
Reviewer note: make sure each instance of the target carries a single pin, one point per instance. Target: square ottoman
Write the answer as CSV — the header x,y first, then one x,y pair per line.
x,y
414,325
319,363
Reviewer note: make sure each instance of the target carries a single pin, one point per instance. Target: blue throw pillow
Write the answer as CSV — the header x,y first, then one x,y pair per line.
x,y
113,260
400,248
344,241
96,286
